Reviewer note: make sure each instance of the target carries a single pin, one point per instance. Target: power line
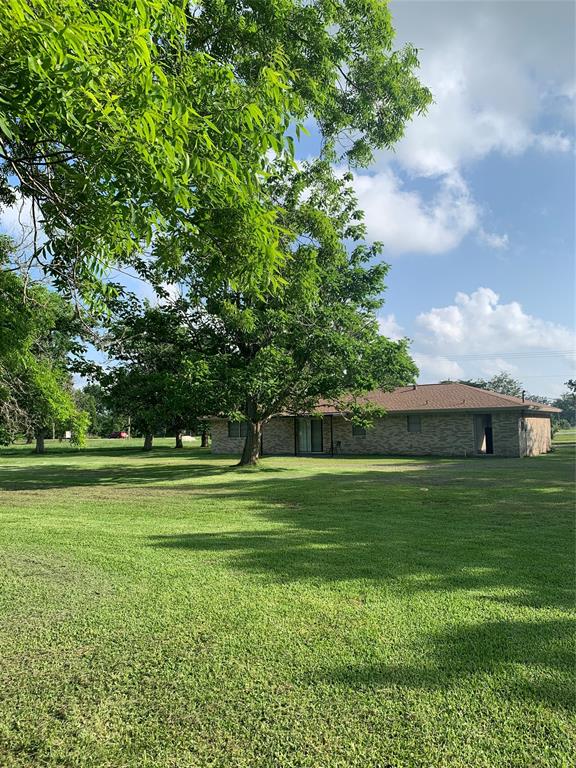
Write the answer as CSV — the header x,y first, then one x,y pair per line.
x,y
543,375
503,355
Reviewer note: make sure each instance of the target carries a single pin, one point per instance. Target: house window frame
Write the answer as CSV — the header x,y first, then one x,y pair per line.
x,y
414,423
237,430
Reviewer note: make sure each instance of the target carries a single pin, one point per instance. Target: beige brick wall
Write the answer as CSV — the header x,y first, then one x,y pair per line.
x,y
506,433
536,438
278,436
442,435
221,443
449,434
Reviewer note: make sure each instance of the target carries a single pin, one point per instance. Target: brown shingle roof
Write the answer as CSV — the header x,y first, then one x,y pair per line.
x,y
442,397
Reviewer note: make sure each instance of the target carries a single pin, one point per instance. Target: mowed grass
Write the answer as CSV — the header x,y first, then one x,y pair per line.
x,y
565,436
165,610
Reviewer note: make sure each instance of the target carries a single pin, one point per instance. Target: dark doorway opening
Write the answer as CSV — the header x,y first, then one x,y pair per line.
x,y
483,436
488,439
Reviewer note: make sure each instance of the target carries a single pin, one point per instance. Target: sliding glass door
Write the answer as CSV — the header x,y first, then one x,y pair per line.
x,y
309,435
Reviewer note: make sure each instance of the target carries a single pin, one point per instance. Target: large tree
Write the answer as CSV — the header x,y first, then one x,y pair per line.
x,y
152,377
340,63
111,127
126,118
37,338
314,337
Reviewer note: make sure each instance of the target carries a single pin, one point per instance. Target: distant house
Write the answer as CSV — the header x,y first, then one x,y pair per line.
x,y
433,419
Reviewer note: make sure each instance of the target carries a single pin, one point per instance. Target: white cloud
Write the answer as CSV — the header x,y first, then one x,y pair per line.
x,y
390,328
405,222
173,291
479,335
434,368
553,142
491,366
497,74
21,225
492,68
459,128
16,220
493,240
480,323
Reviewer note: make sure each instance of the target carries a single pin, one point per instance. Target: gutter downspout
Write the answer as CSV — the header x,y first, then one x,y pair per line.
x,y
331,435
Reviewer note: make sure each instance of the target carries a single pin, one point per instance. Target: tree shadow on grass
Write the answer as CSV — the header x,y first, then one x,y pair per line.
x,y
123,472
408,536
524,659
56,476
431,526
192,464
394,525
118,448
493,531
513,549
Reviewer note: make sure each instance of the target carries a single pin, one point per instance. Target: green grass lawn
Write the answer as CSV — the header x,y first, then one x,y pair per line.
x,y
164,610
565,436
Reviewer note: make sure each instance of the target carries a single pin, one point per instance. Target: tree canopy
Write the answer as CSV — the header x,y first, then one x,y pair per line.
x,y
159,135
129,118
36,339
502,382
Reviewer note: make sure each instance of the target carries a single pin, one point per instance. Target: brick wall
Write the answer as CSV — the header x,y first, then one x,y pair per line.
x,y
278,436
448,434
536,438
506,433
221,443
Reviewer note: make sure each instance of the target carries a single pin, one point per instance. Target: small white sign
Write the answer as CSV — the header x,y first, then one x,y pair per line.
x,y
68,435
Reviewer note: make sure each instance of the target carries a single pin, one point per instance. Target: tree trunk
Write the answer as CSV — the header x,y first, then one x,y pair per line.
x,y
29,438
251,452
148,438
179,443
39,442
204,441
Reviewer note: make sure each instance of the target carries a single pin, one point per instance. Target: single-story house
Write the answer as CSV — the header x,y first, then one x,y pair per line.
x,y
435,419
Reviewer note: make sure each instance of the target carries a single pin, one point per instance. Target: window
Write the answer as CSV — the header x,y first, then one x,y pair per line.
x,y
237,429
358,431
414,424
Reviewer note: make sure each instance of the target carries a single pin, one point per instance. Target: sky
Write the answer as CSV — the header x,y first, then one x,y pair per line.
x,y
476,204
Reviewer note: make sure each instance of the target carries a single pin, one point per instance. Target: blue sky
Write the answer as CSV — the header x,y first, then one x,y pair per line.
x,y
476,205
